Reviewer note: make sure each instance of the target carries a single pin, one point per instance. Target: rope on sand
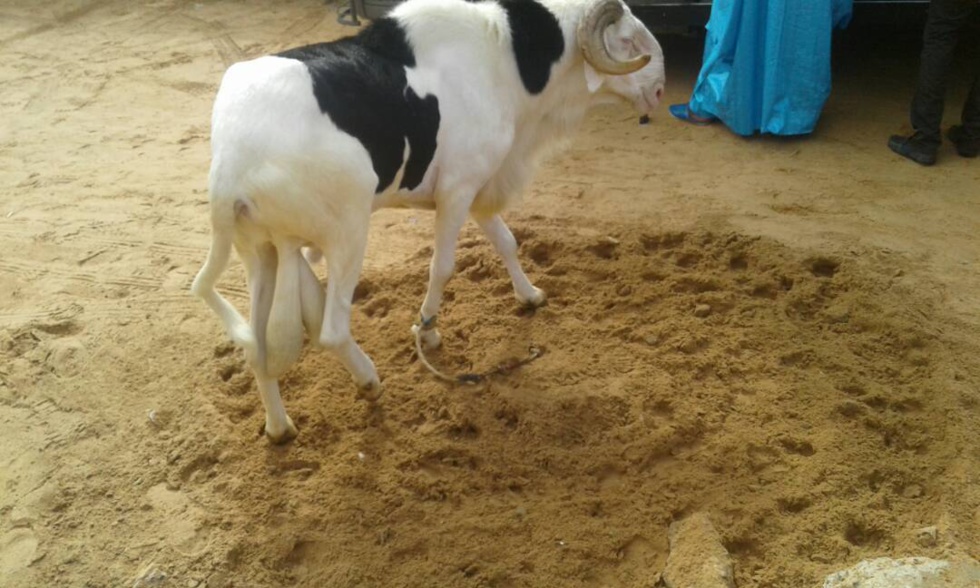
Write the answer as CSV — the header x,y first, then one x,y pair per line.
x,y
506,368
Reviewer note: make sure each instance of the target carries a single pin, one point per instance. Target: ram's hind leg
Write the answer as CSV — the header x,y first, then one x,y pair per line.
x,y
345,257
262,266
206,280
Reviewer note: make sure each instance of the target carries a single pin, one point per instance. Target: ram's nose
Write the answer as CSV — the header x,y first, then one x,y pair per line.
x,y
652,97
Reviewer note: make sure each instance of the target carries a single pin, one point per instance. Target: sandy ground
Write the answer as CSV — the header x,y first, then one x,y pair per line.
x,y
820,411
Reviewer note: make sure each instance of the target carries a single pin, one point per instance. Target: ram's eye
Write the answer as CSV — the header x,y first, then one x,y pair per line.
x,y
631,48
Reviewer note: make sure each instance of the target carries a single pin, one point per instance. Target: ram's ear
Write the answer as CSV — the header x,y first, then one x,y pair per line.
x,y
593,79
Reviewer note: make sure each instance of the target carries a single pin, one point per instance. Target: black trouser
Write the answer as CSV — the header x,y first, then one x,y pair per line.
x,y
946,19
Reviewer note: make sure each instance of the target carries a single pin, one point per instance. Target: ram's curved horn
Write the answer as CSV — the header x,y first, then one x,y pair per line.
x,y
593,45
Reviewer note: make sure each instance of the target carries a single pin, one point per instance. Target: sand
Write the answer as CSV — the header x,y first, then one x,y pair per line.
x,y
778,333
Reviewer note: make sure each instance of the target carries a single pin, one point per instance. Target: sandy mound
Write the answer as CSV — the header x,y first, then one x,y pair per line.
x,y
801,400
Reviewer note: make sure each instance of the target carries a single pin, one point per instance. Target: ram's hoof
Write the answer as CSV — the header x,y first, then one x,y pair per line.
x,y
431,339
242,336
279,434
535,300
371,391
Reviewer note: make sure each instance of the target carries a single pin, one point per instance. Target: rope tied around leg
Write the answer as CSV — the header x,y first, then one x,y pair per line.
x,y
506,368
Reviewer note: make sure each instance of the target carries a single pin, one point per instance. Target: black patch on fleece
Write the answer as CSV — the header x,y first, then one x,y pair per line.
x,y
360,83
537,41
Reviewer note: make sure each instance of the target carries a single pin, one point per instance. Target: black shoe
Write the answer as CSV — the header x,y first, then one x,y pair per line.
x,y
964,146
914,147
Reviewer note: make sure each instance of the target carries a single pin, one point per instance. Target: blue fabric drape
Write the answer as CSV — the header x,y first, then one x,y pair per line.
x,y
766,64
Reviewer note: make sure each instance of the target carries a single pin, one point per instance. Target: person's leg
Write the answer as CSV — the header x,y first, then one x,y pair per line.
x,y
946,18
721,34
971,109
966,136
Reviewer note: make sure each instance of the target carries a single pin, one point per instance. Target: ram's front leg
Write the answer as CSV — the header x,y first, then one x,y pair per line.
x,y
504,242
449,221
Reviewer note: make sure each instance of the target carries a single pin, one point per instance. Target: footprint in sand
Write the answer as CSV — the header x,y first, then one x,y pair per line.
x,y
18,550
181,520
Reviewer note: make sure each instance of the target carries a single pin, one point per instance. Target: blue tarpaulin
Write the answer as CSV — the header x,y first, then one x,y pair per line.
x,y
766,64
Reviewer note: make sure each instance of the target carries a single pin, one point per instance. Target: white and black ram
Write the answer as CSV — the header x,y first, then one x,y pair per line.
x,y
445,105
